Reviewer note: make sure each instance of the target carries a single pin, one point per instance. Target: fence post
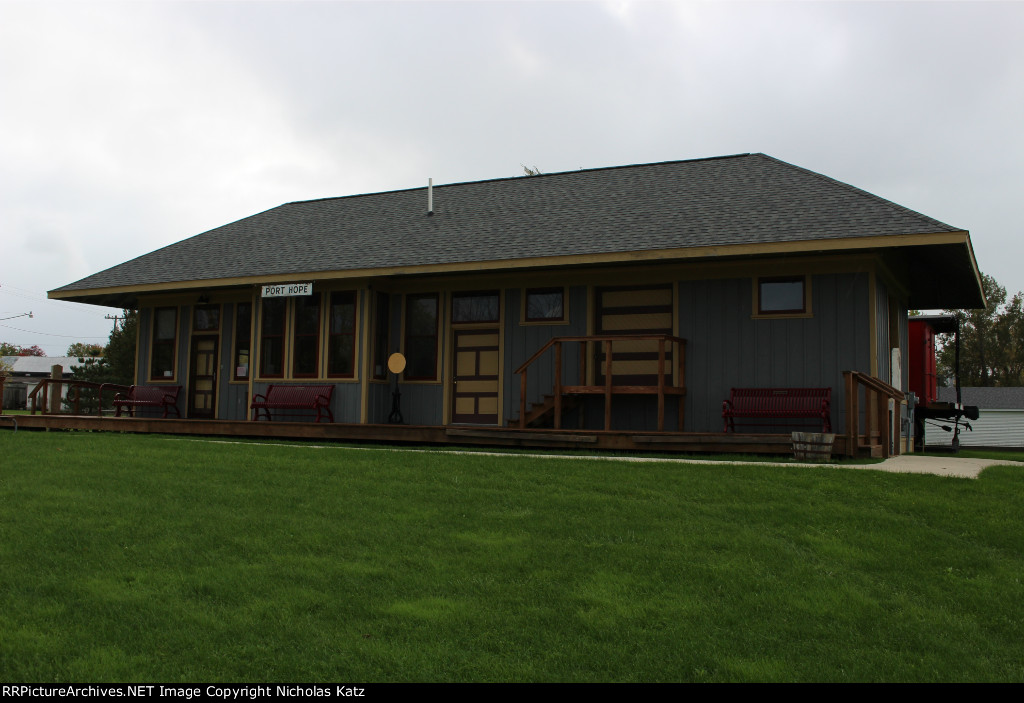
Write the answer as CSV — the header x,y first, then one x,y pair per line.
x,y
56,373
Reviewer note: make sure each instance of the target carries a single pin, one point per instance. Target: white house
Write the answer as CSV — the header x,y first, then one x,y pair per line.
x,y
1000,420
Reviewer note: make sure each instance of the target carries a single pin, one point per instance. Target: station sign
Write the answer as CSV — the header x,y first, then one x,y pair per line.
x,y
283,290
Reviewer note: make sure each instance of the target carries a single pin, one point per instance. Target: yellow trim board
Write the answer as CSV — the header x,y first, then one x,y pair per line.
x,y
682,253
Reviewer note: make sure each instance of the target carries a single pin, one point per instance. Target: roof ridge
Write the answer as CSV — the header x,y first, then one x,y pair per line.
x,y
516,178
894,205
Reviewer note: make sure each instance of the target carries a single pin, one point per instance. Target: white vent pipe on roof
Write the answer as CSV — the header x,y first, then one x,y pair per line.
x,y
430,196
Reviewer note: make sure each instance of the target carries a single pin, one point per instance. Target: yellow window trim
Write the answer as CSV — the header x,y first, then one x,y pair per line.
x,y
150,380
564,320
289,347
756,300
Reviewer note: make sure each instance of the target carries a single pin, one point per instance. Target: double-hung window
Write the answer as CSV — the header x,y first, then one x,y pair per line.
x,y
165,338
341,339
421,317
306,337
243,332
272,337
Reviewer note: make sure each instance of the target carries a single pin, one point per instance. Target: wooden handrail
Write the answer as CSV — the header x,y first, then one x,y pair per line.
x,y
877,385
597,338
43,388
876,414
608,388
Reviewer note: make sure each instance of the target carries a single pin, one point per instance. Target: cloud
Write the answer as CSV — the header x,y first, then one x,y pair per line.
x,y
127,126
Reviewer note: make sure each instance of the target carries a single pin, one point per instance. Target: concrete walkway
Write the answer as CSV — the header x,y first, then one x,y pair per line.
x,y
940,465
954,466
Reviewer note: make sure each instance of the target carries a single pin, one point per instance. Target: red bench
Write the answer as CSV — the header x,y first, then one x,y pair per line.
x,y
778,404
294,398
165,397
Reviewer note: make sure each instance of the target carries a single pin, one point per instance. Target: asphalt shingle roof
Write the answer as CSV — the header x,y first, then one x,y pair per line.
x,y
743,199
40,365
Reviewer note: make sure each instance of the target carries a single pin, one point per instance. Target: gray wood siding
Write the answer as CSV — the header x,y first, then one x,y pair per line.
x,y
379,402
233,398
345,402
905,345
181,361
422,403
727,348
882,348
145,333
522,341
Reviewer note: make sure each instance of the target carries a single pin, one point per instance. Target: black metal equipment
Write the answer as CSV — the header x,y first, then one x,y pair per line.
x,y
933,412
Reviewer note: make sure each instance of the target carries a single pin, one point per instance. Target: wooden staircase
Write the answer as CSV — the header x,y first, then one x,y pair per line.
x,y
542,414
669,382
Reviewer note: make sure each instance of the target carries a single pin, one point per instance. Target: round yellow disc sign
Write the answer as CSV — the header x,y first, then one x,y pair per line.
x,y
396,363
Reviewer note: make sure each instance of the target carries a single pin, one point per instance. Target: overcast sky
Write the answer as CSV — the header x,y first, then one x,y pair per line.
x,y
126,126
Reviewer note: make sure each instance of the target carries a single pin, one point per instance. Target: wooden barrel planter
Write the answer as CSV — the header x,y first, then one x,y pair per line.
x,y
812,446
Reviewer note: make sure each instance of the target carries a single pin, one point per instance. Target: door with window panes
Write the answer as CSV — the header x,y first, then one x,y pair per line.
x,y
202,385
476,376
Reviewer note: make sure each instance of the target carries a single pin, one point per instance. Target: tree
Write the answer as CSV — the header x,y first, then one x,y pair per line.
x,y
85,349
8,349
120,353
991,341
117,365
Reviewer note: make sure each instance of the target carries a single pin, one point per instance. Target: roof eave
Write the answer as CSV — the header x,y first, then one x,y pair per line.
x,y
960,286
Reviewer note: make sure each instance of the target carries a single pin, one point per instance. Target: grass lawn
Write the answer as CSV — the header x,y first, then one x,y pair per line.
x,y
143,558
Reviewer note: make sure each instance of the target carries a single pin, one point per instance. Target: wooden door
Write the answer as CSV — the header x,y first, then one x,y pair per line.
x,y
476,377
202,387
633,310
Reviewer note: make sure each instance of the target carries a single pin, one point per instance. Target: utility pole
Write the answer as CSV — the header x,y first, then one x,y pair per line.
x,y
115,318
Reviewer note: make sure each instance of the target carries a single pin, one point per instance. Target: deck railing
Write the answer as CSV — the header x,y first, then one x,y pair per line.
x,y
877,432
666,344
48,402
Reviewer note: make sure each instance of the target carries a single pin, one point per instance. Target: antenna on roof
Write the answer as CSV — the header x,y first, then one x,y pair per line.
x,y
430,196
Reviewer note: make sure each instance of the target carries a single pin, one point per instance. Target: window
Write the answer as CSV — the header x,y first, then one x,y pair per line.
x,y
243,335
272,337
341,343
206,318
165,327
421,337
544,305
475,307
782,295
382,325
306,349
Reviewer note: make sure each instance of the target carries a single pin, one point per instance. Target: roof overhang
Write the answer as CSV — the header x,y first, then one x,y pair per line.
x,y
938,270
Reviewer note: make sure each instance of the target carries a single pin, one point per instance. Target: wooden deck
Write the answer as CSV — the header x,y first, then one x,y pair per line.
x,y
413,434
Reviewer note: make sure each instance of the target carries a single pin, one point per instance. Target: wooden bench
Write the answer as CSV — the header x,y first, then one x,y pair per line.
x,y
294,398
778,404
165,397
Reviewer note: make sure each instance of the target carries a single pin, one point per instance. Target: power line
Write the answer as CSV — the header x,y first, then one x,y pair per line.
x,y
32,295
48,334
